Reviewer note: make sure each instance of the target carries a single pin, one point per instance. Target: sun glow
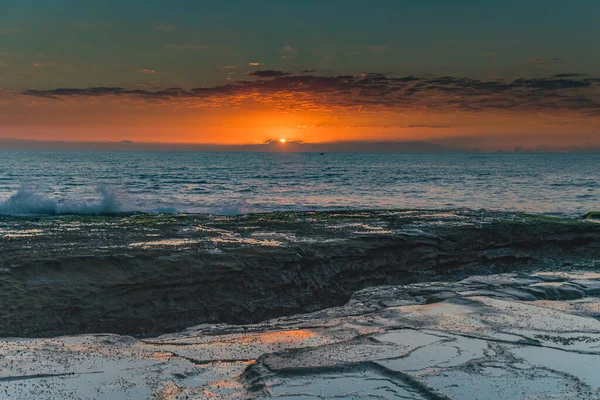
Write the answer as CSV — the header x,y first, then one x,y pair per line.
x,y
282,140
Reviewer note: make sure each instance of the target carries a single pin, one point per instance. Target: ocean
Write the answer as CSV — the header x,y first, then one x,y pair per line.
x,y
156,275
95,182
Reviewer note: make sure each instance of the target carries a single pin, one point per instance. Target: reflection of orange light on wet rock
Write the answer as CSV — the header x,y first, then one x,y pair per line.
x,y
278,336
169,392
161,355
223,384
229,363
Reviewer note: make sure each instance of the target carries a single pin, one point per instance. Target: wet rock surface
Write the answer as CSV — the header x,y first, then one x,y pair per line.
x,y
145,275
507,336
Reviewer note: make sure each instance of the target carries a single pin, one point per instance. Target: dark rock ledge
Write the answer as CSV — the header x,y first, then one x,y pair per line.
x,y
146,275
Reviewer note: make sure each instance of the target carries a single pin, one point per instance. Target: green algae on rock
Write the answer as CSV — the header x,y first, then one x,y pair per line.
x,y
151,274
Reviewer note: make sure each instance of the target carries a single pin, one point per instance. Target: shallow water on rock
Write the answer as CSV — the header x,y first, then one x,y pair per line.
x,y
465,347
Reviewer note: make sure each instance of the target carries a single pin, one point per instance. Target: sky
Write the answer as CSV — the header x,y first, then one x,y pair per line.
x,y
488,74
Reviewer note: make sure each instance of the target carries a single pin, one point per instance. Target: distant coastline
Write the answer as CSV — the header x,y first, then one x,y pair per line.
x,y
289,147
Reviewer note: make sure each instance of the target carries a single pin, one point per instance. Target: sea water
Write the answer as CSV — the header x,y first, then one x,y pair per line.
x,y
96,182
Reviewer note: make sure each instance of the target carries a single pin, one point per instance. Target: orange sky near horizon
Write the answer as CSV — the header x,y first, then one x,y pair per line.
x,y
254,121
490,75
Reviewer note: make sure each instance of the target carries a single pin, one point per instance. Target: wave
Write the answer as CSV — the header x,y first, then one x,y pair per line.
x,y
27,201
238,208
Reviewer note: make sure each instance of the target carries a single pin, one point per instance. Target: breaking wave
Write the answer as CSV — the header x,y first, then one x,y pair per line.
x,y
27,201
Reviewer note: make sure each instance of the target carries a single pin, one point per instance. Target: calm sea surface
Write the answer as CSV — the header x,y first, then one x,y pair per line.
x,y
49,182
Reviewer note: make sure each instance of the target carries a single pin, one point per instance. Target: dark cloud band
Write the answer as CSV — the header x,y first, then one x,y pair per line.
x,y
570,92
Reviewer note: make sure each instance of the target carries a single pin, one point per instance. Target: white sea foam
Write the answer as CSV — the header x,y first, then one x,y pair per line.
x,y
29,201
231,184
237,208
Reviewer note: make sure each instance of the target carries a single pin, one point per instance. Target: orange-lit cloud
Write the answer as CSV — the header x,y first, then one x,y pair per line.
x,y
571,93
560,109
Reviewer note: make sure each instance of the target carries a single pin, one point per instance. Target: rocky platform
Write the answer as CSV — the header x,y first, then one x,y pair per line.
x,y
507,336
145,275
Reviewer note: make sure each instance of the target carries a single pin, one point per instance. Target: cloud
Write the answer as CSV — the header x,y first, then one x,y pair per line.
x,y
165,28
288,49
254,64
10,31
268,73
187,46
545,61
574,75
149,86
36,65
373,91
380,50
94,91
147,71
93,24
429,126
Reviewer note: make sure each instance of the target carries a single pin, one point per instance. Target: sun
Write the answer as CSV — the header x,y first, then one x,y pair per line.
x,y
282,140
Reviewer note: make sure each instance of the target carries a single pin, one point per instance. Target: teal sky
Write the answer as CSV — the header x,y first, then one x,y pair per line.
x,y
186,43
481,73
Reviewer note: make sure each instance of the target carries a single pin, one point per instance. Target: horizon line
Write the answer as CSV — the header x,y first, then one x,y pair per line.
x,y
290,146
